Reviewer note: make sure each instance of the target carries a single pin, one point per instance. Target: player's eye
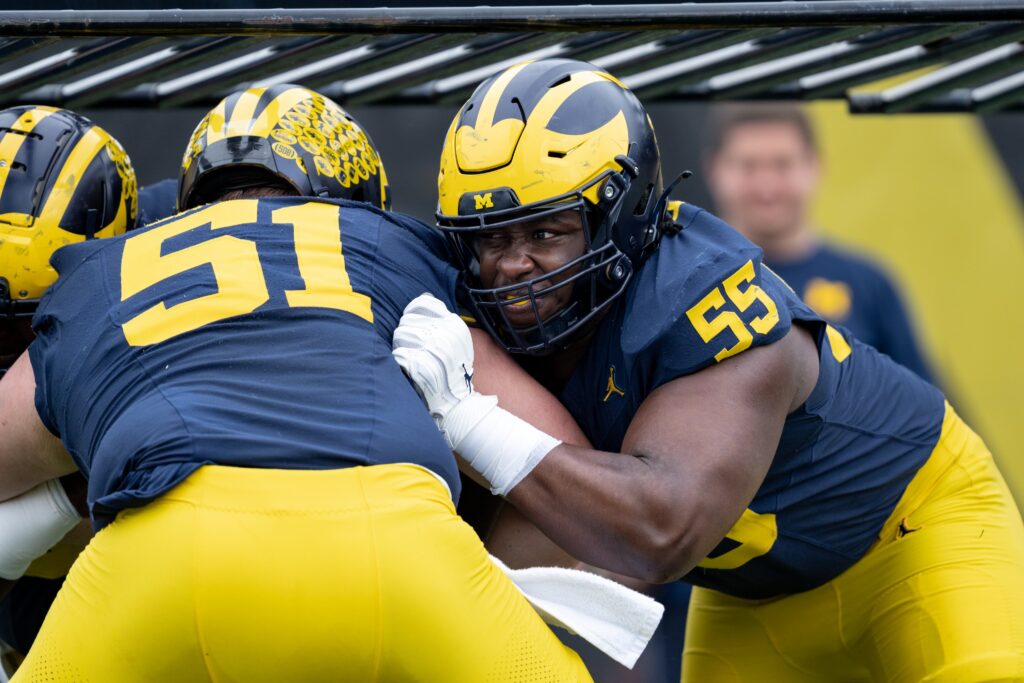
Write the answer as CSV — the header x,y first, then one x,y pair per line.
x,y
541,235
487,241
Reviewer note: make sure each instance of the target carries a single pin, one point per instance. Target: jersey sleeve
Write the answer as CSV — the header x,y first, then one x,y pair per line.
x,y
73,298
417,257
713,299
41,354
67,314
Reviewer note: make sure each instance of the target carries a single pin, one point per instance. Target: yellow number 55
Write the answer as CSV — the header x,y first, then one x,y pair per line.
x,y
730,320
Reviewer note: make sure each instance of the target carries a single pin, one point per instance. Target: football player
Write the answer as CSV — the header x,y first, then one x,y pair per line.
x,y
841,522
61,178
272,502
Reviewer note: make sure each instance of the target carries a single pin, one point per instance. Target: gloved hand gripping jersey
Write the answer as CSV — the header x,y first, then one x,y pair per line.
x,y
435,349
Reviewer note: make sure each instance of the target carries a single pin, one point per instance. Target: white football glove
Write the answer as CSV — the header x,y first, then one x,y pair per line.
x,y
435,350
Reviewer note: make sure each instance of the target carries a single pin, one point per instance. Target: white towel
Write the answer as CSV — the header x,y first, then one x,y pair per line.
x,y
617,620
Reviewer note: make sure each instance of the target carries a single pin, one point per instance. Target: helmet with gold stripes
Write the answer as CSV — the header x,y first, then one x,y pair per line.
x,y
536,140
282,134
62,180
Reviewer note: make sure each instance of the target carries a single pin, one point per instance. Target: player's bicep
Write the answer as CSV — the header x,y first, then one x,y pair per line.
x,y
496,374
29,453
513,538
718,430
518,542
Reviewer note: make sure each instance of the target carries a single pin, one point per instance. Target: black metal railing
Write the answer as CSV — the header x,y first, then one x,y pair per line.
x,y
687,51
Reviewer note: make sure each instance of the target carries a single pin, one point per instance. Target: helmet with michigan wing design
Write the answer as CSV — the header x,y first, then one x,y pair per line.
x,y
285,133
538,139
62,180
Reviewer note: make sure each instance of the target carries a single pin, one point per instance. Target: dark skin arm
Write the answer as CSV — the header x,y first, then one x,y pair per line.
x,y
514,539
694,456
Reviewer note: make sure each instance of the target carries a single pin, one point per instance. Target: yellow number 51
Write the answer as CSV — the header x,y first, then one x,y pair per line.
x,y
730,320
241,284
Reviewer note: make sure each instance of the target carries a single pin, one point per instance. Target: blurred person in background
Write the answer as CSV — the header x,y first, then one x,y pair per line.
x,y
762,168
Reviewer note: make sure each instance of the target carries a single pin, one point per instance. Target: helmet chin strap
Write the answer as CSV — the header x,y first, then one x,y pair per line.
x,y
552,327
612,194
662,205
663,199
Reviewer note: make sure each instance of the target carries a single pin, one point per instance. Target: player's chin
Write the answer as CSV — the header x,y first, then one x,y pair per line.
x,y
524,316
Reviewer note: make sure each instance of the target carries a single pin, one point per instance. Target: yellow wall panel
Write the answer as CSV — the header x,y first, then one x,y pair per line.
x,y
928,196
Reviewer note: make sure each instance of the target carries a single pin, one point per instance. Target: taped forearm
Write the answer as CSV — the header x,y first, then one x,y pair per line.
x,y
501,447
434,348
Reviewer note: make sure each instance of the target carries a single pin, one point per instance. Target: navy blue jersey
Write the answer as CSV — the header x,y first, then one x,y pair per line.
x,y
849,290
244,333
157,201
844,458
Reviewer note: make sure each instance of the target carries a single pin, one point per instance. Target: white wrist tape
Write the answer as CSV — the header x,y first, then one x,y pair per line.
x,y
31,524
494,442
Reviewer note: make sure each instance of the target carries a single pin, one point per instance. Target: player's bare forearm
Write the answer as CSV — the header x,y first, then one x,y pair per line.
x,y
29,454
519,543
498,375
694,456
515,539
695,453
603,508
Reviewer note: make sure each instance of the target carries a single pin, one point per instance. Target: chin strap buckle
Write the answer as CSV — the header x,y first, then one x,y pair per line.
x,y
667,227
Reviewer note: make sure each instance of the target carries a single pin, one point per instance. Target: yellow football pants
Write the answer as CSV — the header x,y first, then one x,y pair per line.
x,y
939,597
355,575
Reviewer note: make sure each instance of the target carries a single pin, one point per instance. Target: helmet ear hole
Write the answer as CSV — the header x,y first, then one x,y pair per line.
x,y
561,81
